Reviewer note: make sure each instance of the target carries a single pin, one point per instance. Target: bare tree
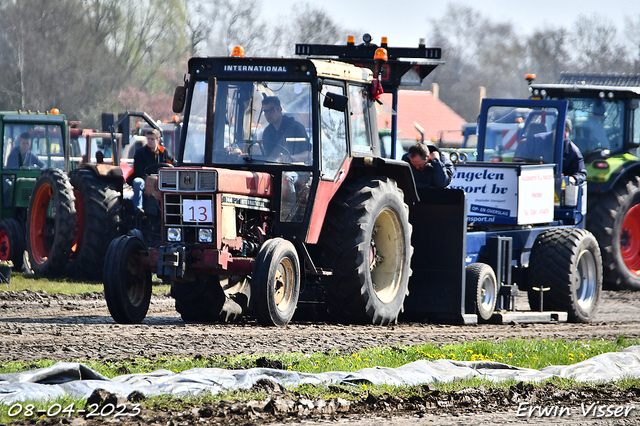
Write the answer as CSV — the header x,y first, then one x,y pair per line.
x,y
548,54
597,49
51,58
309,24
477,53
198,27
237,23
632,32
143,34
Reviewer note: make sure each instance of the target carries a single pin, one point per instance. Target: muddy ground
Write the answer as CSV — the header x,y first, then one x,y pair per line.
x,y
37,325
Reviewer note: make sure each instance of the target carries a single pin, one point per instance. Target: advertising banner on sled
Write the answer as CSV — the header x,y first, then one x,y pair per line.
x,y
506,193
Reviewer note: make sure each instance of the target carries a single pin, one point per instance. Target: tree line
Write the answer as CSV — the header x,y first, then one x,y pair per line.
x,y
86,57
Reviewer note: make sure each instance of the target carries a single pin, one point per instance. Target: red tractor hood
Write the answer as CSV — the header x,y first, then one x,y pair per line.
x,y
244,183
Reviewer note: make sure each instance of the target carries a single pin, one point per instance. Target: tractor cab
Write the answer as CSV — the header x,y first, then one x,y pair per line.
x,y
288,118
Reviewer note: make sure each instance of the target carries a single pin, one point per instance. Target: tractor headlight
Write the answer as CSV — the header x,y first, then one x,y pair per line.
x,y
174,234
205,235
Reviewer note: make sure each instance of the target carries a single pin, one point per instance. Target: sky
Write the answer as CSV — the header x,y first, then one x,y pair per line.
x,y
404,22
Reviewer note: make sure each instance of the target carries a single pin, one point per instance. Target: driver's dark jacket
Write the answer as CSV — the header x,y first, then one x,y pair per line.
x,y
144,157
437,173
289,129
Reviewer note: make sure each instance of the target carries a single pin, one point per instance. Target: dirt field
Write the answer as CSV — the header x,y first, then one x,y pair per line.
x,y
75,328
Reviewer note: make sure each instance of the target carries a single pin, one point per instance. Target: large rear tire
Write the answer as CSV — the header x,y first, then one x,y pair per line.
x,y
614,219
127,289
51,223
12,242
98,222
199,301
568,262
275,284
366,241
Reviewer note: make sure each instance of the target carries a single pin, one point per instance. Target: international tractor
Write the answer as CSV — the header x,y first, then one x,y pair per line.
x,y
605,110
319,223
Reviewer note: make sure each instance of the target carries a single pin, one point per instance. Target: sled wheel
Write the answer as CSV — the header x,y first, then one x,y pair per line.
x,y
127,288
275,285
199,301
11,242
568,262
51,223
366,242
482,289
614,219
98,222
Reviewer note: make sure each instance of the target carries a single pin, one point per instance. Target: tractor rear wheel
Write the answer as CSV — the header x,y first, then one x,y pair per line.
x,y
275,284
98,222
11,242
51,223
366,241
568,262
614,219
199,301
127,289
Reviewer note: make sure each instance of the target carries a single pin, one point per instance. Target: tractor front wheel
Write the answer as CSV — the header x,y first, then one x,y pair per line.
x,y
275,285
11,242
127,288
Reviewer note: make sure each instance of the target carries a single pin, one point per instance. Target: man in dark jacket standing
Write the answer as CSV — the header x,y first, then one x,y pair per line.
x,y
147,155
430,168
541,148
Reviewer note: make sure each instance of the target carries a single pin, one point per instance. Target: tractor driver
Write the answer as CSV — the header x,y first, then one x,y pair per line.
x,y
147,155
430,168
22,156
284,135
540,149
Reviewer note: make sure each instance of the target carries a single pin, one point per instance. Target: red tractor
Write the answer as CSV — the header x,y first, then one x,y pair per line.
x,y
262,226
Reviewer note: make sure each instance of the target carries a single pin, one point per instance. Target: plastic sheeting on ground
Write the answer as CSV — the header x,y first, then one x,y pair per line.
x,y
79,381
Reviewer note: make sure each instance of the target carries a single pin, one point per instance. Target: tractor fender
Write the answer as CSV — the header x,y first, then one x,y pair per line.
x,y
103,170
625,173
398,170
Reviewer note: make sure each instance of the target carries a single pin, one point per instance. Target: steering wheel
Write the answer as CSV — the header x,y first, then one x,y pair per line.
x,y
152,169
280,154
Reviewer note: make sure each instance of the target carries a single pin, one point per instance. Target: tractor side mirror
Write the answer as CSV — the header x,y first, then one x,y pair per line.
x,y
179,97
335,101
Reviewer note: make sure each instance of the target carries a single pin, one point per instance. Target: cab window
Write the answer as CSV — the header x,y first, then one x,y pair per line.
x,y
332,136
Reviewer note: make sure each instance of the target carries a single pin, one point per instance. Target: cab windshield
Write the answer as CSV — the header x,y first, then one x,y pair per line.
x,y
520,134
597,124
33,146
259,122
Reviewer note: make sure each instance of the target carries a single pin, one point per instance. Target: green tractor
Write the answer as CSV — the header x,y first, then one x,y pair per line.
x,y
37,209
605,111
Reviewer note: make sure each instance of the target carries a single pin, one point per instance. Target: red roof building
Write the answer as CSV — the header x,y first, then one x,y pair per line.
x,y
420,106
